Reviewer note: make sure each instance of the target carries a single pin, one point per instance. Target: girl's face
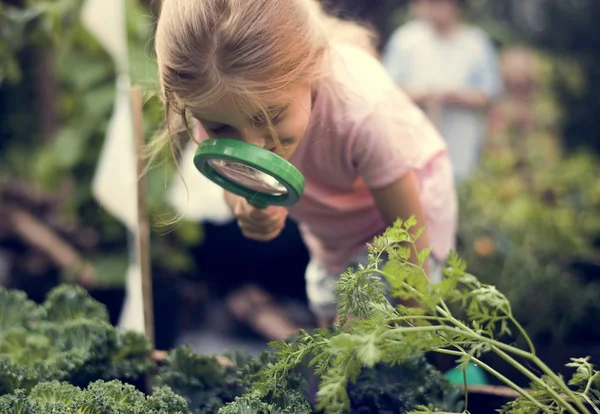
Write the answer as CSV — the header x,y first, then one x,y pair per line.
x,y
290,119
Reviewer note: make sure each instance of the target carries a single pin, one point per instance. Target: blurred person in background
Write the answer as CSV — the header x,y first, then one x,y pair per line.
x,y
450,69
524,122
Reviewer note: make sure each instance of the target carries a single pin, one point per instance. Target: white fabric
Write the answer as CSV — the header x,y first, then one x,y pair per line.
x,y
115,181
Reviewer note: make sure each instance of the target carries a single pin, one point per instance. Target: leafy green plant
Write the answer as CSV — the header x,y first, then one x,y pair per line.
x,y
200,379
209,387
16,310
69,303
293,402
67,338
388,389
36,22
379,332
99,397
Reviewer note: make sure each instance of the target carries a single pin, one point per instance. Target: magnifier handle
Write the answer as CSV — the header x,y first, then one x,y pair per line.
x,y
257,204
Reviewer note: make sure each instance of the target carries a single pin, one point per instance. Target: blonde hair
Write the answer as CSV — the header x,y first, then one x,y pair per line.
x,y
246,50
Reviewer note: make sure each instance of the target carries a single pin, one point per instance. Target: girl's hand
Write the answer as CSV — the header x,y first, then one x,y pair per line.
x,y
259,224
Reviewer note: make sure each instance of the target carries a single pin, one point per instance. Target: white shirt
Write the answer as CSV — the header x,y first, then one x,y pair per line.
x,y
419,59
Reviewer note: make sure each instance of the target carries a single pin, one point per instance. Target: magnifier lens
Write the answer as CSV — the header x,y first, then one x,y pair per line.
x,y
248,177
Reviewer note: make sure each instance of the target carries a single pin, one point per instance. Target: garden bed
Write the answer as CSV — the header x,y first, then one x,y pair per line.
x,y
65,348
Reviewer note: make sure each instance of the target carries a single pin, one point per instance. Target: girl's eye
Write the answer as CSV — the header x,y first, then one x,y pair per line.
x,y
261,121
218,129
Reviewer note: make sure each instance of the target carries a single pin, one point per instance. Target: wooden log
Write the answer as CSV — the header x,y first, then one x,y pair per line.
x,y
36,234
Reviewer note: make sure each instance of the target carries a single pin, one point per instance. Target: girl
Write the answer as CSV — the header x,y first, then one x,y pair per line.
x,y
284,75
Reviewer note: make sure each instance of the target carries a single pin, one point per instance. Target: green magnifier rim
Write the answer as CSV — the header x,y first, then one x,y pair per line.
x,y
256,157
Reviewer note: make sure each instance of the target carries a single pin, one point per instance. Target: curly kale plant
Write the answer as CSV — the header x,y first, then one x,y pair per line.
x,y
205,384
67,303
67,338
293,402
380,333
388,389
16,310
98,398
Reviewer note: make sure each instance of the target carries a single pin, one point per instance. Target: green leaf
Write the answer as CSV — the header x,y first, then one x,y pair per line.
x,y
111,269
68,303
68,147
423,256
16,310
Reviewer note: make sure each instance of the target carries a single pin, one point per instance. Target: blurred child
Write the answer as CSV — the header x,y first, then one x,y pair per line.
x,y
286,76
523,124
450,69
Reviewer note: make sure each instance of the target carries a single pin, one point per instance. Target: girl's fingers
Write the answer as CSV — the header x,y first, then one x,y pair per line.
x,y
273,219
260,224
275,224
265,215
261,235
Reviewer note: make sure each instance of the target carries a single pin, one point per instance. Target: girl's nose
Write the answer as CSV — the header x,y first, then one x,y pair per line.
x,y
253,136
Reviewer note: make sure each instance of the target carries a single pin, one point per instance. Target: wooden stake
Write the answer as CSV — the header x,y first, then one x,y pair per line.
x,y
143,234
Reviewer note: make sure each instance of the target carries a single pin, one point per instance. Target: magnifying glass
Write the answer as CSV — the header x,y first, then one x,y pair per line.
x,y
260,176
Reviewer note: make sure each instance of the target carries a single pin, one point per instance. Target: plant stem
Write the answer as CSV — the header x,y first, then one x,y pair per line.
x,y
588,386
466,385
496,374
500,349
559,381
386,276
565,404
415,318
412,329
591,403
524,334
465,330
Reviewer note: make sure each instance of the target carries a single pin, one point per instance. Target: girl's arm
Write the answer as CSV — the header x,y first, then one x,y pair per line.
x,y
401,200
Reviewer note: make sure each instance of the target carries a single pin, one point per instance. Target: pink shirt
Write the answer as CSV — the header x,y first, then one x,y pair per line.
x,y
366,133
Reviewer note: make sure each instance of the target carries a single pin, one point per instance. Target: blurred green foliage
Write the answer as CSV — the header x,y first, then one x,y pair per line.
x,y
530,217
535,235
86,92
36,22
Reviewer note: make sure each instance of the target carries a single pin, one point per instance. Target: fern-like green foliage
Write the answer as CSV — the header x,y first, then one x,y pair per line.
x,y
380,333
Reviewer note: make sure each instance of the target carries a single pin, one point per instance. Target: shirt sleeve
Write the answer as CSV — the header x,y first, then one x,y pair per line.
x,y
389,143
485,75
